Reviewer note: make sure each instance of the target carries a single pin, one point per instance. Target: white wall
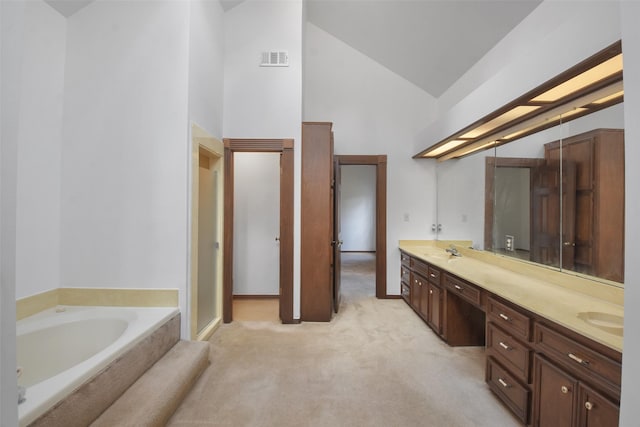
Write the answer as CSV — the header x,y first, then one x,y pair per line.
x,y
630,411
358,208
266,102
206,65
374,111
125,147
39,145
256,253
11,51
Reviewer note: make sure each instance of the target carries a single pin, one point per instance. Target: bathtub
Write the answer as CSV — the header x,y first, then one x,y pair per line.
x,y
62,347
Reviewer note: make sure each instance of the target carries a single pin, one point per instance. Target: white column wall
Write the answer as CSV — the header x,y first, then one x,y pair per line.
x,y
125,152
630,411
12,43
266,102
375,111
39,145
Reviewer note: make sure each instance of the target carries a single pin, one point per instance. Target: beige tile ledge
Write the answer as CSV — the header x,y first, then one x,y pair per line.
x,y
543,291
28,306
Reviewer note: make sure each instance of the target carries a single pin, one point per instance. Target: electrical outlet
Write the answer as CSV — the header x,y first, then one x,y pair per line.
x,y
509,243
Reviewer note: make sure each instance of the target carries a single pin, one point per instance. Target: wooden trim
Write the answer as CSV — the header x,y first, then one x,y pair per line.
x,y
284,146
286,231
245,296
380,161
489,187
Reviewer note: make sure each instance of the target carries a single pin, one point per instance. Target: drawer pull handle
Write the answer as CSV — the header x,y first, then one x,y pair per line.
x,y
588,405
564,389
505,346
430,291
503,383
432,275
577,359
504,316
460,288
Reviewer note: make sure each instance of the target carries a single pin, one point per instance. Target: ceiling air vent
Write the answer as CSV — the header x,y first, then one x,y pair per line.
x,y
274,59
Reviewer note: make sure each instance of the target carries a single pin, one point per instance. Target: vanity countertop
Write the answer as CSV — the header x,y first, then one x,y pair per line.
x,y
554,302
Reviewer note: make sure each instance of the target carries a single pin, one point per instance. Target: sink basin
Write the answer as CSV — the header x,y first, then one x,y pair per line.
x,y
443,257
607,322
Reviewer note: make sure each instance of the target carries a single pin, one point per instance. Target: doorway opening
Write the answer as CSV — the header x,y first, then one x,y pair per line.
x,y
205,302
363,216
284,239
256,236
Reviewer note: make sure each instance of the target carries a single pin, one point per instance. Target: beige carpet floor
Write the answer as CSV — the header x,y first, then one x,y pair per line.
x,y
375,364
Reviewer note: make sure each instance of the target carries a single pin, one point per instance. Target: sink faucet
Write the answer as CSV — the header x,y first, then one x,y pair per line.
x,y
453,251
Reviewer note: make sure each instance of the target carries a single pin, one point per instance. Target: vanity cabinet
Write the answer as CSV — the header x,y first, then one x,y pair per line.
x,y
464,319
574,380
434,317
547,375
509,355
420,287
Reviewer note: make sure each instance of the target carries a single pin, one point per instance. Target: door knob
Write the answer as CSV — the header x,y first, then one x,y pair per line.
x,y
277,239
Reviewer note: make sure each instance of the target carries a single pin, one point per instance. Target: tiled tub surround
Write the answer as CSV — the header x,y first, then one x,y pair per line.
x,y
553,342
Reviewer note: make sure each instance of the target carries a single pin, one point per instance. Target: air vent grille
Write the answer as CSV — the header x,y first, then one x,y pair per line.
x,y
274,59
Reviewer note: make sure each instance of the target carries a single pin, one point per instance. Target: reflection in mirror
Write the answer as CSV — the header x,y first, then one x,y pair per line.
x,y
582,231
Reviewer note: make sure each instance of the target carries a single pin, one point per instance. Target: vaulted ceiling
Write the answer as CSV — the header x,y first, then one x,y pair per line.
x,y
430,43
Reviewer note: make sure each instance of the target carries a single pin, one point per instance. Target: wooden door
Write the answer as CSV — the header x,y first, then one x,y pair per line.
x,y
555,395
316,228
337,235
546,225
415,292
424,298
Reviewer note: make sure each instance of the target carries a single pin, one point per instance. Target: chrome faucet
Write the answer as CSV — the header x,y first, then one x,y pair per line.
x,y
453,251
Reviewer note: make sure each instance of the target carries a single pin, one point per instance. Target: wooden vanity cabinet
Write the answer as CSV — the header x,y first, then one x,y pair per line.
x,y
574,379
509,356
463,319
420,287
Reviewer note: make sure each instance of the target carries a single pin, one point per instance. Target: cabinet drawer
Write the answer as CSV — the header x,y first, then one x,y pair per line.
x,y
509,319
508,350
434,275
405,275
509,390
406,292
405,259
420,266
587,363
463,289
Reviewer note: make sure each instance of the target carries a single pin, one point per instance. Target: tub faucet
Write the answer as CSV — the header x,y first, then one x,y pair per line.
x,y
453,251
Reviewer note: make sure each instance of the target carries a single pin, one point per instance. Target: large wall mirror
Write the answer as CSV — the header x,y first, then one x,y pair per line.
x,y
554,197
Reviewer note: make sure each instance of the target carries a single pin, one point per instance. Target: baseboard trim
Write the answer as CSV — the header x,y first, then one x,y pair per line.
x,y
358,252
392,297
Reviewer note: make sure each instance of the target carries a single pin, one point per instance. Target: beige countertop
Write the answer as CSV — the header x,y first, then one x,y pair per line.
x,y
533,290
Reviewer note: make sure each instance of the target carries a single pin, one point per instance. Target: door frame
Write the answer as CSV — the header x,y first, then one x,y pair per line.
x,y
203,144
285,147
380,162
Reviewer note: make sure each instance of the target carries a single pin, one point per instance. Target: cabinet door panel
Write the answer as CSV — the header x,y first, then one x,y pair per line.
x,y
595,410
435,312
555,395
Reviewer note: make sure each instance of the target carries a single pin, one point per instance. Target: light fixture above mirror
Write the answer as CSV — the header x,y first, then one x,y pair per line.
x,y
592,85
